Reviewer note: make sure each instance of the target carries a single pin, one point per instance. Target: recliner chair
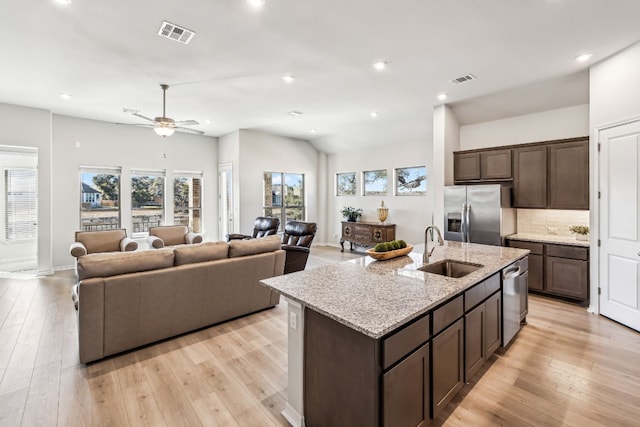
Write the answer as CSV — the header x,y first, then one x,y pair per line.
x,y
296,241
263,227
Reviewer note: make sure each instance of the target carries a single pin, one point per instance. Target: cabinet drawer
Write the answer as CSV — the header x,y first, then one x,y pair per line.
x,y
571,252
491,285
474,296
447,314
401,343
535,248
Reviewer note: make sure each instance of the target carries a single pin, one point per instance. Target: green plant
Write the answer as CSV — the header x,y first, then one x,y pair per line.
x,y
351,213
579,229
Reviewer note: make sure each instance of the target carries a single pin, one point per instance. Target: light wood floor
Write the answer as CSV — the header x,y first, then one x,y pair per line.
x,y
566,367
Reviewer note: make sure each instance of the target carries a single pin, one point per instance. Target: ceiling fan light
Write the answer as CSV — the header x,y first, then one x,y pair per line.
x,y
164,130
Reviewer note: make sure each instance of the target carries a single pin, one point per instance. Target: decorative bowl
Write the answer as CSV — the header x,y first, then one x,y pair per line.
x,y
381,256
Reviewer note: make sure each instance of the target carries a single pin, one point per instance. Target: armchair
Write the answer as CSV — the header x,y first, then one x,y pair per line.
x,y
90,242
171,235
296,241
263,227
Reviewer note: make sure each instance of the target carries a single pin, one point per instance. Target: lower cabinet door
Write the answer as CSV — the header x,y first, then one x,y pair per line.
x,y
448,365
474,341
568,277
493,323
536,272
406,397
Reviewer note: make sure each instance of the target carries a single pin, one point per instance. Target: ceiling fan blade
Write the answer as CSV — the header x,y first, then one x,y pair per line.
x,y
144,125
189,130
144,117
187,123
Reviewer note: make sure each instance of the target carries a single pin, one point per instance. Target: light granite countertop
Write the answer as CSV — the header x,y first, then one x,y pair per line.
x,y
377,297
549,238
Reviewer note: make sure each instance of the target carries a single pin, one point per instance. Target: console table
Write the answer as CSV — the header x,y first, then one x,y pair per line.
x,y
366,233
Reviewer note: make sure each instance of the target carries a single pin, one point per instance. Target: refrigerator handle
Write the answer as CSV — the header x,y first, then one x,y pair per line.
x,y
463,224
466,220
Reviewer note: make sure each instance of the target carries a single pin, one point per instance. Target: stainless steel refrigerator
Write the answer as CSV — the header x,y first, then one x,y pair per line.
x,y
478,213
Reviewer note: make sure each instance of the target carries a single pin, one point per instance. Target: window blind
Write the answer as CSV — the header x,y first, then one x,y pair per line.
x,y
21,204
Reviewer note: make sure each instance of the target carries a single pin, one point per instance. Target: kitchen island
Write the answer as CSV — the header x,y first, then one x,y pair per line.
x,y
365,336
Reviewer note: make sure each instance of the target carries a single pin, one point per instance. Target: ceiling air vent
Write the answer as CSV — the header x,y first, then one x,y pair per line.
x,y
174,32
462,79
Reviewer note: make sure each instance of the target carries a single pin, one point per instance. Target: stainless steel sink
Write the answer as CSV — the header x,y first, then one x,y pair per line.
x,y
450,268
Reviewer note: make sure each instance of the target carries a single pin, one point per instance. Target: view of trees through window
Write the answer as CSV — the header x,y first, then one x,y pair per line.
x,y
100,200
147,201
284,196
187,202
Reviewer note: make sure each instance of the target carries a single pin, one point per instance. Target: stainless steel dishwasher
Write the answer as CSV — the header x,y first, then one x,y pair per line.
x,y
514,298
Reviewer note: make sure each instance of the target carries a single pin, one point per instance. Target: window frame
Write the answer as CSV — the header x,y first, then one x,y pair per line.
x,y
34,219
283,206
156,173
191,209
101,170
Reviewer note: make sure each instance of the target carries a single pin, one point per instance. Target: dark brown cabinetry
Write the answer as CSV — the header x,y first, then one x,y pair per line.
x,y
482,166
569,175
366,233
530,177
448,365
559,270
406,398
482,324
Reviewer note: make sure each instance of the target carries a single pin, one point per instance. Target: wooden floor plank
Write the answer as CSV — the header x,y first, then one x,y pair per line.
x,y
565,368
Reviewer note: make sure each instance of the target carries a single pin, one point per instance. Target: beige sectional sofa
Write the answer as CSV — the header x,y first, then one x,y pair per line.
x,y
125,300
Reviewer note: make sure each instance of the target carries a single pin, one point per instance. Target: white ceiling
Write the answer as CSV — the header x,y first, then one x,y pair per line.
x,y
108,56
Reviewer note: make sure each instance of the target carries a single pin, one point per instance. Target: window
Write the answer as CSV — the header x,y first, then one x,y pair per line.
x,y
187,200
99,199
284,196
147,200
21,204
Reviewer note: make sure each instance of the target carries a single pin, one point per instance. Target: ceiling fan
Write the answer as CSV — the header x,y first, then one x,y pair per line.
x,y
166,126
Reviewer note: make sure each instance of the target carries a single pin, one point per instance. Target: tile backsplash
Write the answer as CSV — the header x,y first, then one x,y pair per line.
x,y
550,221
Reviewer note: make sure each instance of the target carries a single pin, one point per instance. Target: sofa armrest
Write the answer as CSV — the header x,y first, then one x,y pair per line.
x,y
191,238
155,242
77,250
236,236
128,244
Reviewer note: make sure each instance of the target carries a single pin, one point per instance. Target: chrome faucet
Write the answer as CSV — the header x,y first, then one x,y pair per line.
x,y
427,253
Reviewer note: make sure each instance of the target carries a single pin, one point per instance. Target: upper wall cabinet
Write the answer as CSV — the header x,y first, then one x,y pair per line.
x,y
569,175
530,177
482,166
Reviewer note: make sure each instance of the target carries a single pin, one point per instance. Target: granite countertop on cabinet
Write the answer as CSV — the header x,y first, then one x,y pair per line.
x,y
549,238
377,297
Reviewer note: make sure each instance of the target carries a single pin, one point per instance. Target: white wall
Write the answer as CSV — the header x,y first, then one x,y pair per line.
x,y
411,214
446,140
229,152
31,127
561,123
613,93
128,147
260,152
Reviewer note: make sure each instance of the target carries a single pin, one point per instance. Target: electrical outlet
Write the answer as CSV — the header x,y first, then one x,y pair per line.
x,y
293,320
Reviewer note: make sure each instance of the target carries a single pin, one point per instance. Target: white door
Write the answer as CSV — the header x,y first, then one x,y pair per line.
x,y
225,203
619,226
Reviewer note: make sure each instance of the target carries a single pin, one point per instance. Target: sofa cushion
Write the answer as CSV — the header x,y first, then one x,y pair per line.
x,y
208,251
114,263
239,248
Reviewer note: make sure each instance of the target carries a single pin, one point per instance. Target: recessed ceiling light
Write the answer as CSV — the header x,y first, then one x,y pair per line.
x,y
256,3
289,78
583,57
208,121
380,65
295,113
64,95
312,130
442,96
63,2
374,114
